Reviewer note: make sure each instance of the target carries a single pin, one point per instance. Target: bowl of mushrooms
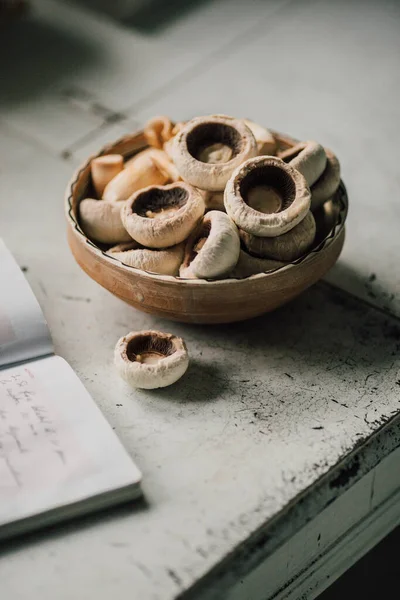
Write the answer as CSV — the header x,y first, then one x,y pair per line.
x,y
213,220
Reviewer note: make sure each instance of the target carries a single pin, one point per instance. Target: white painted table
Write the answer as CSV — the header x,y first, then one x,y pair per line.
x,y
272,464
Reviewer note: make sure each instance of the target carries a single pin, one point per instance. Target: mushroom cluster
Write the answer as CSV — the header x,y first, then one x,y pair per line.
x,y
211,198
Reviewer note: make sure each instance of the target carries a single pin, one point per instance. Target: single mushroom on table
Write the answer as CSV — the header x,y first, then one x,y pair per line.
x,y
151,359
327,184
206,150
266,197
164,261
286,247
163,216
101,221
307,157
103,169
149,167
213,248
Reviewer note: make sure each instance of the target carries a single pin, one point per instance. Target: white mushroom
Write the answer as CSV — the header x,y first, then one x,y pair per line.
x,y
149,167
307,157
266,143
103,169
162,216
164,261
151,359
248,265
213,248
101,221
208,149
328,182
267,197
158,131
286,247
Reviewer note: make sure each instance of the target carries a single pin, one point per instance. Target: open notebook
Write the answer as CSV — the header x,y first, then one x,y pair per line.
x,y
58,455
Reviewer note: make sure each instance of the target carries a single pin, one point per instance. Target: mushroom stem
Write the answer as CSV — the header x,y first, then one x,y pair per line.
x,y
158,131
103,169
149,167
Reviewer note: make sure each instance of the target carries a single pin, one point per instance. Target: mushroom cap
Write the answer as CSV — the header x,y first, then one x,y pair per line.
x,y
307,157
287,193
145,168
286,247
101,221
220,133
163,216
213,248
164,261
248,265
103,169
151,359
266,143
327,184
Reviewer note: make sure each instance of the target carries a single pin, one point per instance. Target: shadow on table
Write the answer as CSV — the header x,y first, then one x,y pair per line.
x,y
205,385
155,15
39,57
366,285
95,519
324,335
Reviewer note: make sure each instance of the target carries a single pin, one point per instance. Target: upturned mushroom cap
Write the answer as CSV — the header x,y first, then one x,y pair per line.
x,y
163,216
286,247
103,169
248,265
149,167
151,359
164,261
267,197
101,221
208,149
213,248
158,131
328,183
307,157
266,143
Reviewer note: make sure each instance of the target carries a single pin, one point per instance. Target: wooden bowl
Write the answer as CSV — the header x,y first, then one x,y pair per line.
x,y
201,301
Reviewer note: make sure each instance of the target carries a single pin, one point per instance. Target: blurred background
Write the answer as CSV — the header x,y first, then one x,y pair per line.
x,y
76,75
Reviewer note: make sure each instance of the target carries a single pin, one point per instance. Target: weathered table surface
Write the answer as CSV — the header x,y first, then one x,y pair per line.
x,y
268,407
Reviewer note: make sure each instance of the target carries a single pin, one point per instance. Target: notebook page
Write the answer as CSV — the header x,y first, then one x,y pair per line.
x,y
56,448
24,333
